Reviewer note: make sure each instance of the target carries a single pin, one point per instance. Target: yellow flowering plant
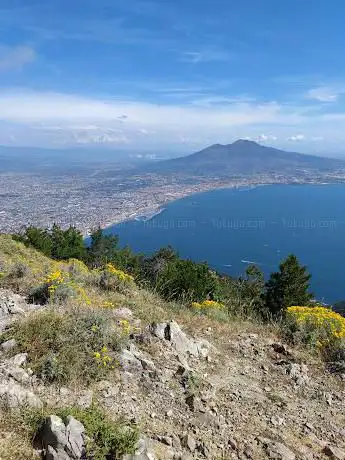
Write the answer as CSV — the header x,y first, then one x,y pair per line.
x,y
207,305
103,359
318,325
119,273
112,278
108,304
125,327
59,285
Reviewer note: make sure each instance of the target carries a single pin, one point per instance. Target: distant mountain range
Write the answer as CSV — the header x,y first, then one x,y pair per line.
x,y
245,157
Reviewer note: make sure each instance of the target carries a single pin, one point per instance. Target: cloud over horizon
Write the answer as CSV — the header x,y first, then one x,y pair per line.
x,y
64,119
170,75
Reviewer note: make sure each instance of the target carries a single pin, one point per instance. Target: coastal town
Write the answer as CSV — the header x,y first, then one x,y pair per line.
x,y
89,200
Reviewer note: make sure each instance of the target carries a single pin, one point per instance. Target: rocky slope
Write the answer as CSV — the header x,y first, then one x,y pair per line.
x,y
197,389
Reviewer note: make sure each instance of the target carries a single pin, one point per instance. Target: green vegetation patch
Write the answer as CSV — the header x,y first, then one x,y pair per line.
x,y
76,346
105,438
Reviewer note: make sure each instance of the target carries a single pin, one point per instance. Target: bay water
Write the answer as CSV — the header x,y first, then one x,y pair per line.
x,y
231,228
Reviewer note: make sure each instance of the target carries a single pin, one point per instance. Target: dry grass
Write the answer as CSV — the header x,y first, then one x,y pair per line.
x,y
21,267
15,444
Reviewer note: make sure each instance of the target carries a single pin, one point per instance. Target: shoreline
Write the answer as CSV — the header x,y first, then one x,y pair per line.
x,y
169,194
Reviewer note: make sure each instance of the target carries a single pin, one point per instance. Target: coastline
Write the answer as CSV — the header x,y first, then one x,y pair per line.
x,y
155,198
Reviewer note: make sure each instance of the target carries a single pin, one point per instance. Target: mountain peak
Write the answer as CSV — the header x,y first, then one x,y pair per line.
x,y
244,142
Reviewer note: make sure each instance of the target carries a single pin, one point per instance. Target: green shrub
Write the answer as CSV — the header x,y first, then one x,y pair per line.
x,y
58,287
319,328
185,280
55,242
244,296
106,439
65,347
110,278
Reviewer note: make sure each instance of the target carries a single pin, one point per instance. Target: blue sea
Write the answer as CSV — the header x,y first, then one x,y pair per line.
x,y
232,228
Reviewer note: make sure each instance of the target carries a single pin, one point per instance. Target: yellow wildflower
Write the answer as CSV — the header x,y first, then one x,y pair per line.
x,y
207,305
325,322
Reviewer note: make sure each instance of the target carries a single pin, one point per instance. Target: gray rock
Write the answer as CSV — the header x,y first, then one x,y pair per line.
x,y
53,433
165,440
10,303
14,395
17,373
18,360
142,452
203,348
123,313
129,362
276,450
63,442
107,389
158,329
334,452
189,442
180,341
75,432
146,363
52,454
193,402
84,399
172,333
298,372
8,345
176,442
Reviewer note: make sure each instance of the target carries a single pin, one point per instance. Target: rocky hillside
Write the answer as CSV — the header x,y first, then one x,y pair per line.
x,y
117,373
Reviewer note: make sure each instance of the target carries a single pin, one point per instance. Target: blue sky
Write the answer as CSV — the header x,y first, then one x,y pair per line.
x,y
173,74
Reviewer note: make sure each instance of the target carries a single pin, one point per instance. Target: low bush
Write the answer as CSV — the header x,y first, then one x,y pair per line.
x,y
186,281
110,278
77,346
58,287
106,439
317,326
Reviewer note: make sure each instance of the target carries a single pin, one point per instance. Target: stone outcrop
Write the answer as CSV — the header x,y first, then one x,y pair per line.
x,y
62,441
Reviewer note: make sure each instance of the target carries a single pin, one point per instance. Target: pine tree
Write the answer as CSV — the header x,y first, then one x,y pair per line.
x,y
103,248
289,286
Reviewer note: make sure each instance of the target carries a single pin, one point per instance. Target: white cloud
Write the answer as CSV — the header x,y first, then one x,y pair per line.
x,y
15,57
213,100
265,138
53,119
146,132
206,55
46,108
324,94
296,138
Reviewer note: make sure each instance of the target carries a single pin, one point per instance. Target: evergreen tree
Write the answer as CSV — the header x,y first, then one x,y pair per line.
x,y
55,242
254,288
103,248
188,280
289,286
38,238
67,244
153,267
